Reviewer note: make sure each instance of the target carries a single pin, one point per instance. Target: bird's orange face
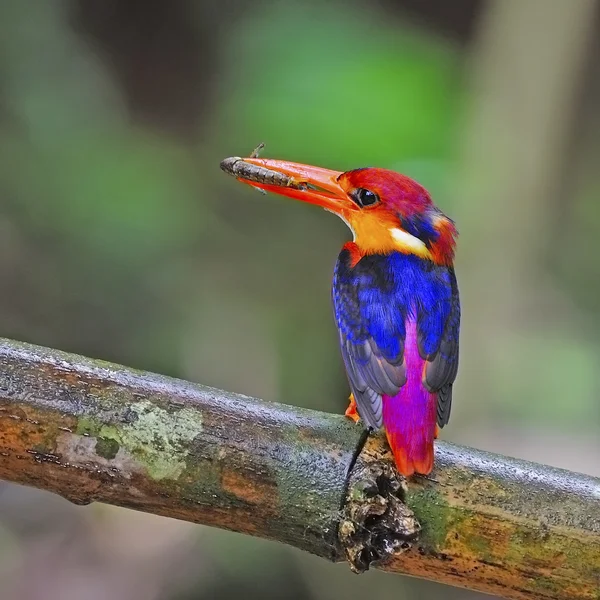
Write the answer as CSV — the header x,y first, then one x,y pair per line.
x,y
386,211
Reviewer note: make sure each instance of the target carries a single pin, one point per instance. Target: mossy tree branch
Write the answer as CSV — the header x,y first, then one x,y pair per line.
x,y
92,431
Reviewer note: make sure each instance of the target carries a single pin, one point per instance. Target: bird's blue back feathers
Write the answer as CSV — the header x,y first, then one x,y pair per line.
x,y
375,297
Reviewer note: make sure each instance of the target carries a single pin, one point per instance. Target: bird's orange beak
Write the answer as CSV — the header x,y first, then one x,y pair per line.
x,y
314,185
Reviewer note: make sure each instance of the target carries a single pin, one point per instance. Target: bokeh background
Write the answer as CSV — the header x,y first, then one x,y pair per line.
x,y
121,239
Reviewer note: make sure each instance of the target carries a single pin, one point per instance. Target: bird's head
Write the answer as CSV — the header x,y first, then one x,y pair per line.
x,y
386,211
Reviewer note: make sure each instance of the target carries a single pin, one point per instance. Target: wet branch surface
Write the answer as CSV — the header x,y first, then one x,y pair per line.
x,y
92,431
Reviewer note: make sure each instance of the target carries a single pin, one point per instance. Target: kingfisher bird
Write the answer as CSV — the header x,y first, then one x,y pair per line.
x,y
395,296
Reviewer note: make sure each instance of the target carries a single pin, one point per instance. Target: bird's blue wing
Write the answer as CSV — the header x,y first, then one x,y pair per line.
x,y
441,351
371,328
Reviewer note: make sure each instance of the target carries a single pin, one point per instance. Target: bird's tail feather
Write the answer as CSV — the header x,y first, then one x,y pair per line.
x,y
412,455
409,417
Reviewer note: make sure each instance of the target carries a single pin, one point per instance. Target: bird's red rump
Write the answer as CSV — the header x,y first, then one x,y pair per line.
x,y
410,415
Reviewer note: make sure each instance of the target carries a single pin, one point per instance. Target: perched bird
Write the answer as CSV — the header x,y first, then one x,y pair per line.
x,y
395,296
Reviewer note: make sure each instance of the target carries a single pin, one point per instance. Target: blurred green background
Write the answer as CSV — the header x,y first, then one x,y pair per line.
x,y
121,239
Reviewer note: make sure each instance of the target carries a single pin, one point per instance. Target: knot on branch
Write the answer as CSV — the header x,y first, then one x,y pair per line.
x,y
376,521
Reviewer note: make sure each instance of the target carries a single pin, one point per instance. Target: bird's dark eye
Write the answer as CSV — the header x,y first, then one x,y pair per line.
x,y
364,197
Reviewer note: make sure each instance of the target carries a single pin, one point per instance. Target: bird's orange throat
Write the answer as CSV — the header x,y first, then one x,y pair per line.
x,y
375,233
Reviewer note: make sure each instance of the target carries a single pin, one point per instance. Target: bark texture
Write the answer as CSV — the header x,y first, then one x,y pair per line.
x,y
93,431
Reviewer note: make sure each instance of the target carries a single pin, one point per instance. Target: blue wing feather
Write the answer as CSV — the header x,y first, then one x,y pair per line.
x,y
442,363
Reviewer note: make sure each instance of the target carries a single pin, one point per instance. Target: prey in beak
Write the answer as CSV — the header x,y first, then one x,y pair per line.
x,y
306,183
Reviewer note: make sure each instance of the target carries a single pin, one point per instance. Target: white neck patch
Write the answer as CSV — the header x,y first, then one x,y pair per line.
x,y
407,241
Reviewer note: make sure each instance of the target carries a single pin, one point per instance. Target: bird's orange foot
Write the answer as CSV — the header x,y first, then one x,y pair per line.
x,y
351,411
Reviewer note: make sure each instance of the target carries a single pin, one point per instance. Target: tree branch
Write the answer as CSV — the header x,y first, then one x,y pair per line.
x,y
92,431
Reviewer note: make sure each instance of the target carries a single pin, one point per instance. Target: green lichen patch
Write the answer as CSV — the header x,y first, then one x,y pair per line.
x,y
88,426
107,448
574,556
434,513
158,439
